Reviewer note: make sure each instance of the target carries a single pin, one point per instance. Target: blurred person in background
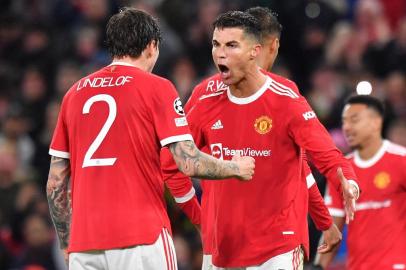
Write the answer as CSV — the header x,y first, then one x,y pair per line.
x,y
34,90
377,237
184,77
14,137
68,73
397,132
38,244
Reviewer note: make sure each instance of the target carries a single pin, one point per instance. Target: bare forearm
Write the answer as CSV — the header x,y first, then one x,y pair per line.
x,y
193,162
58,201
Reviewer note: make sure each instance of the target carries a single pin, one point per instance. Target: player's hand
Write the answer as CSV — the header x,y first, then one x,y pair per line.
x,y
350,195
246,166
332,237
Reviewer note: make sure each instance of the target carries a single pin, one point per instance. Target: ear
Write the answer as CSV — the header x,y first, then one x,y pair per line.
x,y
151,48
255,51
378,123
274,45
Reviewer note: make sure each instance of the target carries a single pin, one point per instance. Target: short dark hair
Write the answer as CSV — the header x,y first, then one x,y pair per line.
x,y
370,101
248,23
130,31
268,20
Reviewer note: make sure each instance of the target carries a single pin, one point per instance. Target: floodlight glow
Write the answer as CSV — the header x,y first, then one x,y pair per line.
x,y
364,88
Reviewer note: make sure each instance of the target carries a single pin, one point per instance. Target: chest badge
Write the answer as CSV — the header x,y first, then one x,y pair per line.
x,y
263,124
382,180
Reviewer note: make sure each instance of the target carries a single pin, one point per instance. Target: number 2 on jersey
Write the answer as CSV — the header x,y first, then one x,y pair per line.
x,y
88,160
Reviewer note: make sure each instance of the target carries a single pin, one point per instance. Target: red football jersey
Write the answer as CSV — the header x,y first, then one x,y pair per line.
x,y
111,126
318,210
377,235
272,126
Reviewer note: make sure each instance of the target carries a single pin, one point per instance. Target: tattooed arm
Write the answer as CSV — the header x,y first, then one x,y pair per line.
x,y
193,162
57,195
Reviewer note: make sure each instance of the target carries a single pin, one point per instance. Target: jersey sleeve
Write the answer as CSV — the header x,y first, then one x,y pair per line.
x,y
168,116
310,134
180,185
334,202
317,209
60,140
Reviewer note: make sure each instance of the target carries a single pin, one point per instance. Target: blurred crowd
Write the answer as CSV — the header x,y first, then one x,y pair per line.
x,y
327,48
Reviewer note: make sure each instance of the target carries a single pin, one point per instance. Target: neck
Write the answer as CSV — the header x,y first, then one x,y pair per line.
x,y
139,62
250,84
370,148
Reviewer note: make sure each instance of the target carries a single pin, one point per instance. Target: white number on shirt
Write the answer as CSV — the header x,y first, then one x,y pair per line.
x,y
88,161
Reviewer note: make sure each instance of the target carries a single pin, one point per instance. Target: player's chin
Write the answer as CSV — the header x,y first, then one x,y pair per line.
x,y
354,145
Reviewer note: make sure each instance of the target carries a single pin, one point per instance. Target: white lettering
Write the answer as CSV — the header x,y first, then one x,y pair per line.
x,y
210,86
309,115
246,152
103,82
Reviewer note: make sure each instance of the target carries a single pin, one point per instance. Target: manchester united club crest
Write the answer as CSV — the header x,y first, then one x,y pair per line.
x,y
263,124
382,180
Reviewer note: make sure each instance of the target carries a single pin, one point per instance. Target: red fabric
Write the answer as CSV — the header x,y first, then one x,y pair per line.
x,y
192,209
122,204
246,217
377,236
318,210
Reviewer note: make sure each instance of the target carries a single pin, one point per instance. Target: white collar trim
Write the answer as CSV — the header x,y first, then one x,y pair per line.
x,y
370,162
121,63
253,97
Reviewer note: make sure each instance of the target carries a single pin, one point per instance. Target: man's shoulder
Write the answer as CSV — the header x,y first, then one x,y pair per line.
x,y
395,154
395,149
282,89
210,85
208,103
280,83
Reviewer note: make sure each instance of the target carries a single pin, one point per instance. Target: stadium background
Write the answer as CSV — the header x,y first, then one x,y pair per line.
x,y
327,47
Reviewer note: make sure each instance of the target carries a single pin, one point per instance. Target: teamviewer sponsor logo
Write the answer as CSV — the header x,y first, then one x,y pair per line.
x,y
218,151
246,152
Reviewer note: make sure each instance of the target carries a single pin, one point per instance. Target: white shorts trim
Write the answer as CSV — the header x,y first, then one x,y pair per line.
x,y
291,260
160,255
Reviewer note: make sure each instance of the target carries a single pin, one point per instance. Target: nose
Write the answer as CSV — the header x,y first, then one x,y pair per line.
x,y
345,126
219,52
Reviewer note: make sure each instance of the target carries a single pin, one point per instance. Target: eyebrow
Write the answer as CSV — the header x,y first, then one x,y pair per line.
x,y
227,43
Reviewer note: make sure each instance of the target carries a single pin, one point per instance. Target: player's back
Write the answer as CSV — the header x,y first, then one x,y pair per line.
x,y
112,119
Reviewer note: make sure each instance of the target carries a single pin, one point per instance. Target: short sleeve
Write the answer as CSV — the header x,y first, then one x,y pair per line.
x,y
60,140
168,115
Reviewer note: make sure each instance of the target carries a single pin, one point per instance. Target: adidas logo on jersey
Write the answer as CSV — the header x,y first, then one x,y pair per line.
x,y
217,125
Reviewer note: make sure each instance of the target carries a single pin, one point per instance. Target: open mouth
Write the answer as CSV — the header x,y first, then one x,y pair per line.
x,y
224,71
223,68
